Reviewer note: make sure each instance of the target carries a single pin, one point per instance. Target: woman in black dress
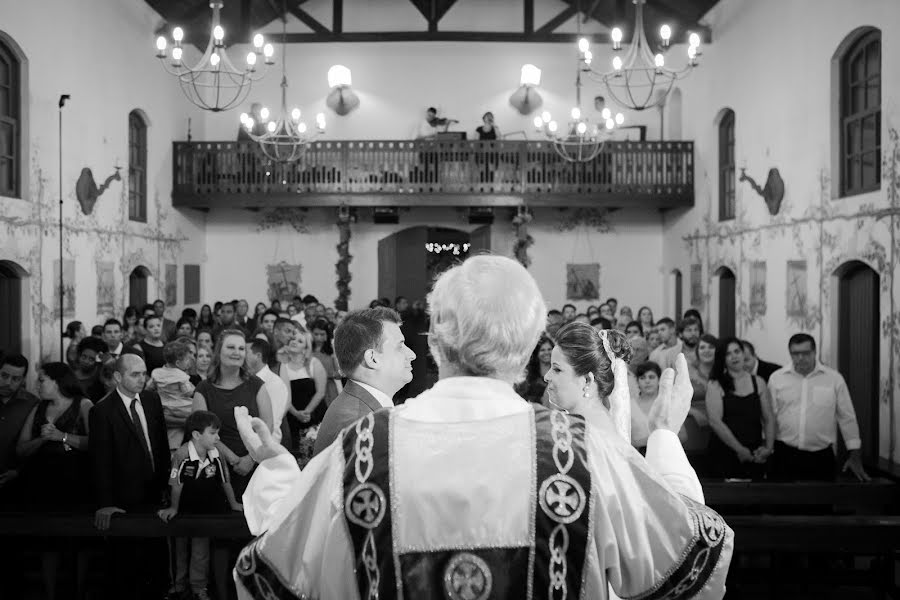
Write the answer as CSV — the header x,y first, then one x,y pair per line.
x,y
53,447
739,410
534,387
229,385
306,379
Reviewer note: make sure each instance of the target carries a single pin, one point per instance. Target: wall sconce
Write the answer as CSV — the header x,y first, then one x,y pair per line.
x,y
342,99
526,99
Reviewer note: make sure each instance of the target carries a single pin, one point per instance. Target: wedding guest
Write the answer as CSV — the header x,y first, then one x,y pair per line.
x,y
131,327
227,386
259,355
16,404
670,345
207,321
697,422
76,332
534,387
740,415
306,379
755,365
645,316
607,312
204,361
112,335
648,375
90,354
241,309
168,325
184,328
205,339
323,350
633,329
256,320
176,392
693,313
152,344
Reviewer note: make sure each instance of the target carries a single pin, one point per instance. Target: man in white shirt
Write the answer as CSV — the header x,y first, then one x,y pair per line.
x,y
112,335
259,355
670,346
809,400
467,491
372,352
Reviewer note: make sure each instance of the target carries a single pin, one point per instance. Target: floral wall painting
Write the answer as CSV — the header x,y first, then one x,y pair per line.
x,y
697,286
171,285
68,271
283,281
583,281
106,288
758,288
796,302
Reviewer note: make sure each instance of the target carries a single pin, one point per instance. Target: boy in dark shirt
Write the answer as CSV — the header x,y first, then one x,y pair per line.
x,y
200,485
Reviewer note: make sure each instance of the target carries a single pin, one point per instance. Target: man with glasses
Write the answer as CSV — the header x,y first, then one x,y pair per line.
x,y
810,402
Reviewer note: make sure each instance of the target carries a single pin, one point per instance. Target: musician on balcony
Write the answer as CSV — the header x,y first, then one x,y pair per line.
x,y
432,124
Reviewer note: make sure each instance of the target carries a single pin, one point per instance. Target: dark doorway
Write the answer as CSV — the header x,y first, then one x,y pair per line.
x,y
137,287
727,302
11,276
408,263
858,347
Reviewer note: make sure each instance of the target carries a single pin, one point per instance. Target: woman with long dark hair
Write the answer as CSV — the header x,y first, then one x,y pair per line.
x,y
76,332
739,410
132,332
323,350
534,388
53,447
206,320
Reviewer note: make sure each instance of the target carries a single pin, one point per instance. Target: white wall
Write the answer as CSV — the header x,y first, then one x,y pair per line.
x,y
771,62
99,52
239,252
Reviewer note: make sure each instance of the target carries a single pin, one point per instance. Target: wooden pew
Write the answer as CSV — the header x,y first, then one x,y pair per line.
x,y
878,496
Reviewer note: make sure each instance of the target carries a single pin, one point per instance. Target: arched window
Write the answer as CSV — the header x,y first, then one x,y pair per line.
x,y
137,167
10,122
726,166
860,114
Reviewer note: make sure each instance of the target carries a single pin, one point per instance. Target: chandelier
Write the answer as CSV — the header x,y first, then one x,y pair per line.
x,y
581,140
640,79
285,139
214,83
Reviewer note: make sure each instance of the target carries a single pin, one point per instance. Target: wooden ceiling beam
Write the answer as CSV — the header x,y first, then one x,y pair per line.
x,y
551,25
337,16
307,19
528,15
437,36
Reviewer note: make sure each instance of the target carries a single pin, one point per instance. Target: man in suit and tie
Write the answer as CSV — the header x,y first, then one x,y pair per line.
x,y
756,366
169,326
129,454
372,353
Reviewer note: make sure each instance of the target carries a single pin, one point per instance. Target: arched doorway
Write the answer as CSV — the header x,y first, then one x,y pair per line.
x,y
727,302
137,287
858,338
12,277
675,285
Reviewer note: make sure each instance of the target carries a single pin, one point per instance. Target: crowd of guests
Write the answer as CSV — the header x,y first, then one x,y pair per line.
x,y
750,419
143,407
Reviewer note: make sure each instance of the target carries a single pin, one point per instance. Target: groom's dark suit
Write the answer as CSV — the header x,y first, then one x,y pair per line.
x,y
351,404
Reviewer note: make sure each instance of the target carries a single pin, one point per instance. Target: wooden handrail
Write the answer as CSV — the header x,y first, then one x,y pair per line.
x,y
879,492
458,172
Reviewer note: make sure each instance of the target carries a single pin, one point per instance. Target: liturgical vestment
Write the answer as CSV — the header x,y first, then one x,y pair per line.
x,y
469,493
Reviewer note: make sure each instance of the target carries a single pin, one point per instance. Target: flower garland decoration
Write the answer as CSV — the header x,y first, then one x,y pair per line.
x,y
342,267
523,239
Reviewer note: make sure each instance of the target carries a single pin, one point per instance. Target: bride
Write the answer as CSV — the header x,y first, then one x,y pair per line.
x,y
588,376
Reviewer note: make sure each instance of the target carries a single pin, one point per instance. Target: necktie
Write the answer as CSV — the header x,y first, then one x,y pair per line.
x,y
140,429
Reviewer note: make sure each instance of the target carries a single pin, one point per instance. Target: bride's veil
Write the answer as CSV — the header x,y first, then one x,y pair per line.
x,y
620,398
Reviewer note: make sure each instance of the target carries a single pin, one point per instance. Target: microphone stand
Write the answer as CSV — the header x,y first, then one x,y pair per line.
x,y
62,289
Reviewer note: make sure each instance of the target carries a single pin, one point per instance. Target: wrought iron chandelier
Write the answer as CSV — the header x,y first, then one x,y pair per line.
x,y
214,83
581,140
285,139
640,79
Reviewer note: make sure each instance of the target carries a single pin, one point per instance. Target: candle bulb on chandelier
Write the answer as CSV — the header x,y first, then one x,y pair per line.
x,y
268,52
178,34
616,36
617,63
264,113
176,54
258,41
576,113
295,114
251,59
665,32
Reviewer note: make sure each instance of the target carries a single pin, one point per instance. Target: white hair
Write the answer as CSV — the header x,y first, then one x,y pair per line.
x,y
486,317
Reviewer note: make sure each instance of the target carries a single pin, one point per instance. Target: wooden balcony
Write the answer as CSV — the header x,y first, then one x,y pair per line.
x,y
433,173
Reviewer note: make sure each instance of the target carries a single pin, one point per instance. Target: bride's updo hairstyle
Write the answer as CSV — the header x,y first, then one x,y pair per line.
x,y
583,348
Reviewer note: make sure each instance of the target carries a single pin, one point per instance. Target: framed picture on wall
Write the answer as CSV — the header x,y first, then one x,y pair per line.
x,y
796,301
283,281
106,287
697,286
758,288
171,285
583,281
68,271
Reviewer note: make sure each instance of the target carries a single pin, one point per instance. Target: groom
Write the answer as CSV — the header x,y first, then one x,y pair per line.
x,y
372,353
468,492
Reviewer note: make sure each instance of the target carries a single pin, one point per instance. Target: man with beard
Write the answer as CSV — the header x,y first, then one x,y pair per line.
x,y
690,337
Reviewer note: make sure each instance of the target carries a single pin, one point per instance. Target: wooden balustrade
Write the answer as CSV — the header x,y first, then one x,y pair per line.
x,y
436,173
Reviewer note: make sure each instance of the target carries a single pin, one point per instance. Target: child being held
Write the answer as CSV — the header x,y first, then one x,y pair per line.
x,y
176,392
200,485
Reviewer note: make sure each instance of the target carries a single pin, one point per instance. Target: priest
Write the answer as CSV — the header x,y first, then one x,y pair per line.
x,y
468,492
